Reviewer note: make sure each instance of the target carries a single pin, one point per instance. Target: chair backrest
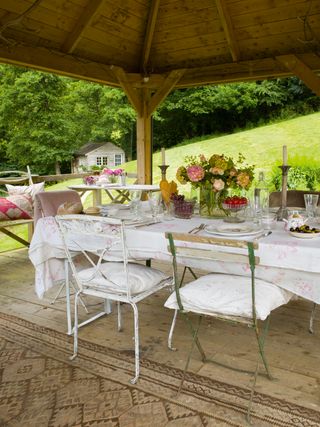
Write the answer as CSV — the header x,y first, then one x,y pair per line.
x,y
295,198
222,250
48,202
97,238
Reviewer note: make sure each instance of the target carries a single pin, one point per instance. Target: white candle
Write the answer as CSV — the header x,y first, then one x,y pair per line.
x,y
284,155
163,156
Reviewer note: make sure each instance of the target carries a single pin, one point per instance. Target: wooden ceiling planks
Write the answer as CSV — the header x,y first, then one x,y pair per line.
x,y
186,34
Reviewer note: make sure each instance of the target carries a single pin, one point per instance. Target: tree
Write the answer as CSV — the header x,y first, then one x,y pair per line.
x,y
35,120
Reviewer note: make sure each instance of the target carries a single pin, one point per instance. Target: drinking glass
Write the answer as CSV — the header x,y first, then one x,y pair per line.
x,y
154,198
268,220
135,196
311,201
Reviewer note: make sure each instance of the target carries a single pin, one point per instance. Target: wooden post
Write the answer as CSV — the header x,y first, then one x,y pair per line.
x,y
144,141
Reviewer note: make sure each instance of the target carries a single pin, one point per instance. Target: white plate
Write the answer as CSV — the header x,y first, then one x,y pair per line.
x,y
304,235
234,230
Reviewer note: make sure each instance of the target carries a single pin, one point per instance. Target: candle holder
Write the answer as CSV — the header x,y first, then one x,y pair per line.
x,y
163,171
283,210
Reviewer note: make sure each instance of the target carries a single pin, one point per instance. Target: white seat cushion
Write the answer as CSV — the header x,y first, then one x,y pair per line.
x,y
141,278
230,295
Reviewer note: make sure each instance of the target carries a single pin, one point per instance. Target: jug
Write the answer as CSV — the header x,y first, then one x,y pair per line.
x,y
295,219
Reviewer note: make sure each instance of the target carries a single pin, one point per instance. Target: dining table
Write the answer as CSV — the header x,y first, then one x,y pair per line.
x,y
291,263
117,193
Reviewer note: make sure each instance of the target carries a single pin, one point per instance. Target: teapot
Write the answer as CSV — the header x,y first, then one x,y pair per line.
x,y
295,219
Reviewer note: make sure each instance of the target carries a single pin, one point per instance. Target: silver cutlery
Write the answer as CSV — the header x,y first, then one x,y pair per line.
x,y
265,234
196,230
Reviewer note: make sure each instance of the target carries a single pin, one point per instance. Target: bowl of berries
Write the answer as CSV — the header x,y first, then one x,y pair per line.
x,y
234,205
182,208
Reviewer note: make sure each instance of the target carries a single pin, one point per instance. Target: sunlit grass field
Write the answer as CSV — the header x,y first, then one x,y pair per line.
x,y
261,146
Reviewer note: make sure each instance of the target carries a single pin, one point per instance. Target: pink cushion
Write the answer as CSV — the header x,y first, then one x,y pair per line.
x,y
16,207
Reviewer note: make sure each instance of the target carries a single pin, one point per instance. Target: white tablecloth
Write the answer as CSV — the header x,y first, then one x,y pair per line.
x,y
291,263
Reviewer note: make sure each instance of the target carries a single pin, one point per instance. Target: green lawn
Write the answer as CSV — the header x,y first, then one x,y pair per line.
x,y
261,146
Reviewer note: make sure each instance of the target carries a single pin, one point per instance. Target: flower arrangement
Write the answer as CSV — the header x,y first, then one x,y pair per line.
x,y
90,180
214,176
113,174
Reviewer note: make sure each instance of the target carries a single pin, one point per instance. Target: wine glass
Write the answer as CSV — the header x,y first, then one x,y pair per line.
x,y
154,198
135,196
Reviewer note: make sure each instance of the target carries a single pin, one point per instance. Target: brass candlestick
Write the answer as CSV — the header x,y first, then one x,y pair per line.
x,y
283,210
163,171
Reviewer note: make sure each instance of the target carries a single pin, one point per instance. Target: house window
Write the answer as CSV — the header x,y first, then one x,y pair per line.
x,y
102,161
117,159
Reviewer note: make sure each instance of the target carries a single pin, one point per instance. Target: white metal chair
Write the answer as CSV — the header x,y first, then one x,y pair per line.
x,y
110,276
238,299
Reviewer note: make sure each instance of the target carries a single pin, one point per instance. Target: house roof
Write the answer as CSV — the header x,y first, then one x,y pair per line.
x,y
92,146
162,43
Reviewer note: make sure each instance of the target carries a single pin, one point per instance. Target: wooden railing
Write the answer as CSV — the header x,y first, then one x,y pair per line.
x,y
64,177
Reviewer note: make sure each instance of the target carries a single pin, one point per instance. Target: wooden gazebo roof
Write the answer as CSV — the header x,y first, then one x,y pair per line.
x,y
149,47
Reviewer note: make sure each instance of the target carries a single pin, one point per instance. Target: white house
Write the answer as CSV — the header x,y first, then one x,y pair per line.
x,y
98,154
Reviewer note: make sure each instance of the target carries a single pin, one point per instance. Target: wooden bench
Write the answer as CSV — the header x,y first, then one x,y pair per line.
x,y
13,178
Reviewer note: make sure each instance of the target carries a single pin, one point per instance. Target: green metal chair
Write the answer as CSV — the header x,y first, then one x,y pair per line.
x,y
239,299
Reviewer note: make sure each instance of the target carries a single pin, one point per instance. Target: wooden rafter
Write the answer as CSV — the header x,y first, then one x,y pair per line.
x,y
51,61
300,69
151,24
169,83
132,94
228,29
84,21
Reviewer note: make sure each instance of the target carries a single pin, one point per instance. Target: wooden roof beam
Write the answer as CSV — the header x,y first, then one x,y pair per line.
x,y
151,25
301,70
163,91
84,21
50,61
132,94
228,29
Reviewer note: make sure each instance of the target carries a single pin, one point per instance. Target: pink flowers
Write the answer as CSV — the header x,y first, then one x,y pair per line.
x,y
218,185
195,173
114,172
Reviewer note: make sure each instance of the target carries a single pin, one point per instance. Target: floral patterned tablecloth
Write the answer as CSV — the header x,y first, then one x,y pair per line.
x,y
291,263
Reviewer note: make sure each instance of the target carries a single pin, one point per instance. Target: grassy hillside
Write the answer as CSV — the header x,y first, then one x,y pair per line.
x,y
261,146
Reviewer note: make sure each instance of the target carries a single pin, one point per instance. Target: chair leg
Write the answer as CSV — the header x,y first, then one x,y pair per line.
x,y
75,329
313,312
58,294
194,341
173,324
136,343
261,342
80,299
119,317
68,302
193,333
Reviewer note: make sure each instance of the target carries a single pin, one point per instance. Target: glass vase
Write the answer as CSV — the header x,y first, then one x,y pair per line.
x,y
210,204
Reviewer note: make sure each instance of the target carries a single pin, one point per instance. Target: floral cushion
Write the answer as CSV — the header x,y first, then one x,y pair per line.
x,y
16,207
30,190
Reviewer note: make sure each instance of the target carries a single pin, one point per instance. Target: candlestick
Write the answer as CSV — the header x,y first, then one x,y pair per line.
x,y
163,171
163,156
283,210
284,155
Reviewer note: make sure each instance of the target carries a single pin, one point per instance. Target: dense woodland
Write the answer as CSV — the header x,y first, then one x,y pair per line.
x,y
44,118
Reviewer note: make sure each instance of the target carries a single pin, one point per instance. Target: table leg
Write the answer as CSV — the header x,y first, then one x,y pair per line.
x,y
96,197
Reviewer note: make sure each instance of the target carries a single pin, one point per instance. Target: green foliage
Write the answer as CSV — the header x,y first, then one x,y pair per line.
x,y
304,174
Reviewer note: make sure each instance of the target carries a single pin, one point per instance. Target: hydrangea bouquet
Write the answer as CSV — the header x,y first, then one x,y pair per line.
x,y
113,174
214,176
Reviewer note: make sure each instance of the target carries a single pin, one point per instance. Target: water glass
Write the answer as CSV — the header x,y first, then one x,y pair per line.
x,y
268,220
135,196
154,198
311,202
